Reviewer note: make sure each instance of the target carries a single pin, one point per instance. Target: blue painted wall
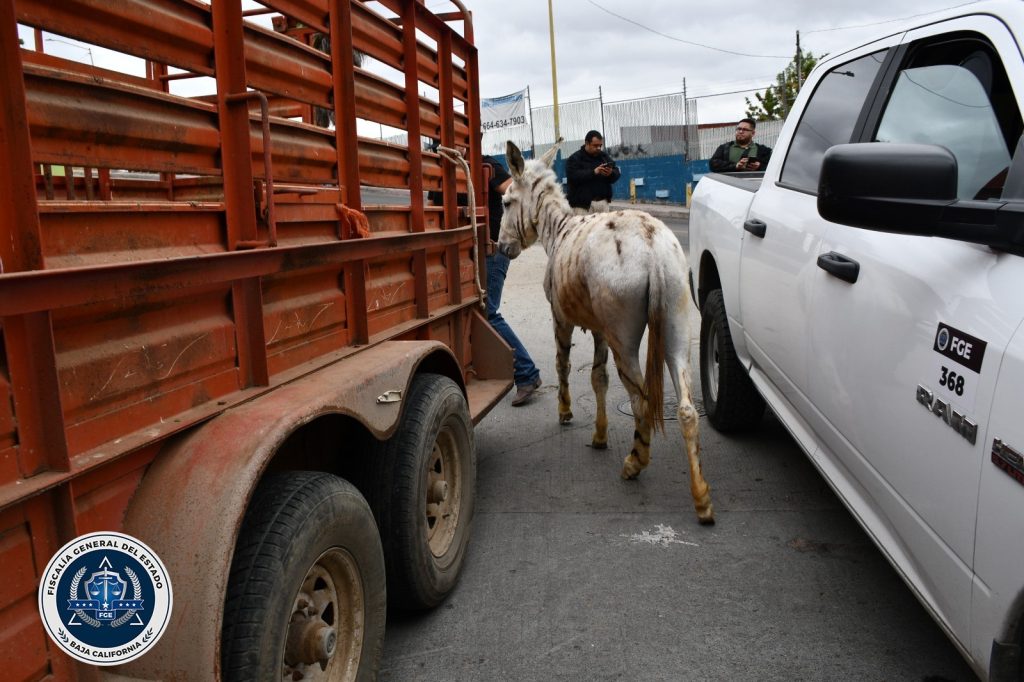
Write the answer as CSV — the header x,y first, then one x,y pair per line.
x,y
664,179
662,175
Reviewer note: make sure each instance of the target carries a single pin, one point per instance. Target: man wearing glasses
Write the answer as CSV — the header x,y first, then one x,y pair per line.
x,y
742,155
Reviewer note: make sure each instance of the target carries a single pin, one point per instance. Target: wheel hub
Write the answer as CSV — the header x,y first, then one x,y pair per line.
x,y
443,496
439,491
324,634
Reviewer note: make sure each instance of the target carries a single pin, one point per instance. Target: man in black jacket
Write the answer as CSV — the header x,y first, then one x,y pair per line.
x,y
742,155
591,174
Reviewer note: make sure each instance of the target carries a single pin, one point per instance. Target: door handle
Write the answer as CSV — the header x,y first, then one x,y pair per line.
x,y
755,227
839,265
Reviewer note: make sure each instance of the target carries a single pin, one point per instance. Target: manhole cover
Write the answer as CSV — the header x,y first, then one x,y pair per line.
x,y
671,405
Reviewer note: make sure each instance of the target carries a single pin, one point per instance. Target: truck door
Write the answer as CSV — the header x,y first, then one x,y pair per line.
x,y
997,583
904,359
783,231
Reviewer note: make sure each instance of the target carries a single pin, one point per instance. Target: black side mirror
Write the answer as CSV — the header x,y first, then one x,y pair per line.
x,y
912,189
889,187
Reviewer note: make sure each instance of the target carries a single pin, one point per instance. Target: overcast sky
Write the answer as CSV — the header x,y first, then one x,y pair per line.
x,y
594,48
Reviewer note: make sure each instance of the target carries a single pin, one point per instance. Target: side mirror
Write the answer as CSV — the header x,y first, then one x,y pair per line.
x,y
912,189
888,187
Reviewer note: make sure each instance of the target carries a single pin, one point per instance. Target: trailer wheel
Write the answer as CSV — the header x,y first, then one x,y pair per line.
x,y
731,401
306,593
426,492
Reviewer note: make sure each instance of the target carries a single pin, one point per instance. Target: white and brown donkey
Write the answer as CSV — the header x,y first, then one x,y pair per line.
x,y
613,274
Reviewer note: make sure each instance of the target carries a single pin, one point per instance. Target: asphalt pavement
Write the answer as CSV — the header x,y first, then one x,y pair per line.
x,y
575,574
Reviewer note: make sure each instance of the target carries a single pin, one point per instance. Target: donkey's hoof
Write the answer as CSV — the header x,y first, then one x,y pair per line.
x,y
631,468
599,444
565,418
705,509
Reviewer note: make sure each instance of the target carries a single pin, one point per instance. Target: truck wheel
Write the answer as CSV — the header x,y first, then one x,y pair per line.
x,y
426,491
306,594
730,399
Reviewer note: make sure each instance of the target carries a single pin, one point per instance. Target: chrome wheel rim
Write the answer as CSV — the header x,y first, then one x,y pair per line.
x,y
711,362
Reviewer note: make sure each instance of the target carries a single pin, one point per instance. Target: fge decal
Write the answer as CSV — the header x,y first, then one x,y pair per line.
x,y
956,364
105,598
960,347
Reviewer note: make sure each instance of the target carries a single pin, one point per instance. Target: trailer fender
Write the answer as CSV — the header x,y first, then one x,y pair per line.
x,y
191,501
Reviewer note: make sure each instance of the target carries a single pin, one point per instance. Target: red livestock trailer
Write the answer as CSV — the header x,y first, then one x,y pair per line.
x,y
209,340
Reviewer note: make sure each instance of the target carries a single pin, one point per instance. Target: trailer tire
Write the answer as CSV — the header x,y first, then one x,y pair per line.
x,y
731,401
307,584
426,493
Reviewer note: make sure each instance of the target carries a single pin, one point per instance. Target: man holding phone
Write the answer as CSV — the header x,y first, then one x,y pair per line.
x,y
591,173
742,155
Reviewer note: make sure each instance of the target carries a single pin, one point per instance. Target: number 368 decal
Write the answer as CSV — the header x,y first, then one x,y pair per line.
x,y
952,381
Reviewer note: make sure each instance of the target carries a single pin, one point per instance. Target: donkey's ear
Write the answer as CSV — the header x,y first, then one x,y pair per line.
x,y
549,156
516,164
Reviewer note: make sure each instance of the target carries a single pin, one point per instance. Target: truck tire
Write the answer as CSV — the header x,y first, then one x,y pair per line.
x,y
731,401
426,492
306,594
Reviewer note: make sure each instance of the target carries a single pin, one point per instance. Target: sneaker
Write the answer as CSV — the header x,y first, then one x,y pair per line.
x,y
525,393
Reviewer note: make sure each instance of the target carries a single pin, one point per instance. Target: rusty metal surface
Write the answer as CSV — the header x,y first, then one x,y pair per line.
x,y
42,290
27,340
95,250
78,121
194,494
165,31
130,319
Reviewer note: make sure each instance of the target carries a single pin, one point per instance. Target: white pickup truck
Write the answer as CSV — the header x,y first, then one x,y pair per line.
x,y
869,287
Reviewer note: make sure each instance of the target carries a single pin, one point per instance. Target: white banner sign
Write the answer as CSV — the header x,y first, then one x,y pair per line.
x,y
503,112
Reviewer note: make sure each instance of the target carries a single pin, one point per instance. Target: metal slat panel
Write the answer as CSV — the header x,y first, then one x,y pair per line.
x,y
312,13
175,32
77,121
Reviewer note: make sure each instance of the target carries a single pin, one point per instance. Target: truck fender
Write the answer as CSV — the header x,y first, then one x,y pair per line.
x,y
190,504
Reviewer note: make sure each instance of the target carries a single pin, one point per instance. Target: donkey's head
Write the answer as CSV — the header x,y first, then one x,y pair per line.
x,y
522,203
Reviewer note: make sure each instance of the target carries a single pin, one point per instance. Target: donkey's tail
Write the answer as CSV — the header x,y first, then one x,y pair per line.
x,y
654,376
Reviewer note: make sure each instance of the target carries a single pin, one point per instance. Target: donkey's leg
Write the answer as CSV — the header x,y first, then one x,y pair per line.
x,y
677,359
563,339
632,378
599,382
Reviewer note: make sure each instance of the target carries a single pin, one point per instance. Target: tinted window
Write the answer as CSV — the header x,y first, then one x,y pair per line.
x,y
952,94
829,119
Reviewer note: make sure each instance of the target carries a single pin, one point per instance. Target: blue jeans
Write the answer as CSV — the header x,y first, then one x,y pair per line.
x,y
524,370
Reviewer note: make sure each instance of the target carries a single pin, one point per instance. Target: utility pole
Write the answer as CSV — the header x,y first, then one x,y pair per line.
x,y
554,72
533,140
686,122
799,64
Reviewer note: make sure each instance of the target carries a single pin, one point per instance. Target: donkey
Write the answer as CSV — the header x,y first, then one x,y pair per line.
x,y
612,274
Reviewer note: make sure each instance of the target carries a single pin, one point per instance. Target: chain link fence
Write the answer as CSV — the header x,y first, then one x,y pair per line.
x,y
660,125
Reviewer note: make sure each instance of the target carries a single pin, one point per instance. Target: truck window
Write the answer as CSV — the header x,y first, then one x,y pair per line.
x,y
829,119
956,94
